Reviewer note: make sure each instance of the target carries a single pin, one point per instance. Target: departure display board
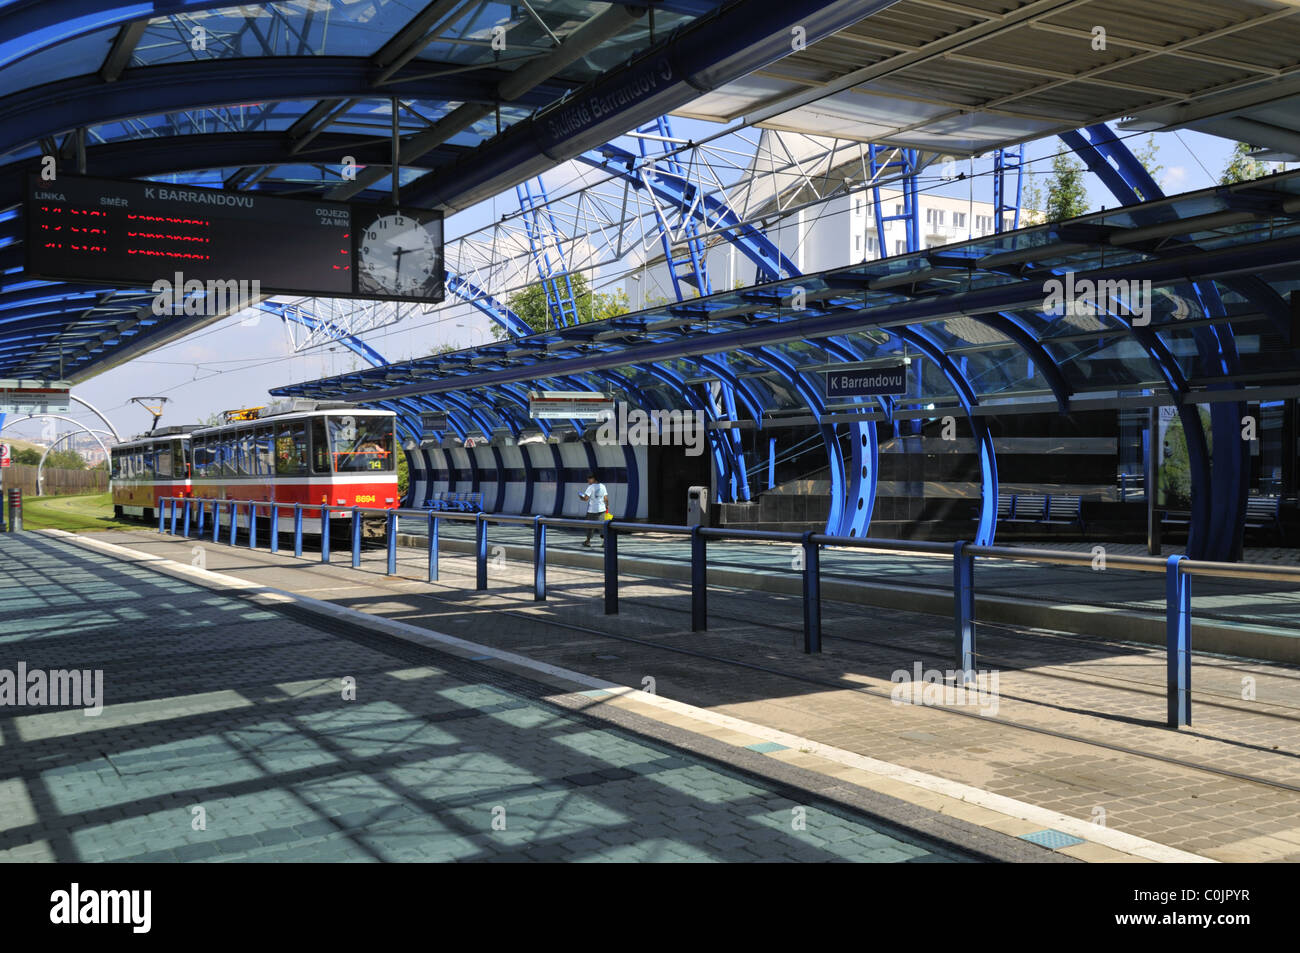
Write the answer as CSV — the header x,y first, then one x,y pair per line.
x,y
132,233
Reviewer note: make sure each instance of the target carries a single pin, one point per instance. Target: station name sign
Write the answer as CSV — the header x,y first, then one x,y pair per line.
x,y
34,397
569,405
867,382
621,90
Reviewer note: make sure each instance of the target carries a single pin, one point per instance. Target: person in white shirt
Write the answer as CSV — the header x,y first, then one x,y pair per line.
x,y
597,498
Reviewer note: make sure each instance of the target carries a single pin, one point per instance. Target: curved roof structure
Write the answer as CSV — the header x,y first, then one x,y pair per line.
x,y
984,302
273,96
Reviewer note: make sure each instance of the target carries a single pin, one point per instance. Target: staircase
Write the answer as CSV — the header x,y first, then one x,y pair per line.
x,y
792,507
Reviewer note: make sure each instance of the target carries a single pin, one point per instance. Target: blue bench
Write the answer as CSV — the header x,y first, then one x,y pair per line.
x,y
456,502
1058,509
1262,512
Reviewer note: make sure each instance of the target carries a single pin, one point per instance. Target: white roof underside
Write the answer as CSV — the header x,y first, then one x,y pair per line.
x,y
963,77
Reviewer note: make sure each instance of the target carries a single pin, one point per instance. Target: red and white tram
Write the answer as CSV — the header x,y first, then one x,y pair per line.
x,y
300,452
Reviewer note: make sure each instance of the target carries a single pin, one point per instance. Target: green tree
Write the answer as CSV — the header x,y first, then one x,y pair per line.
x,y
65,460
403,474
1147,156
1242,167
1066,194
214,419
530,304
28,456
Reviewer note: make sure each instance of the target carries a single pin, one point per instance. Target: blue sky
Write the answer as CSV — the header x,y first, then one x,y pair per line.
x,y
232,364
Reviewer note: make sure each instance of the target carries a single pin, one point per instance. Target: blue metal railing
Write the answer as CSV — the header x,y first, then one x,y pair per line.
x,y
1177,569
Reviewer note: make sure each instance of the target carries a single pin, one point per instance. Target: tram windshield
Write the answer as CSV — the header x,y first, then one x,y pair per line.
x,y
361,444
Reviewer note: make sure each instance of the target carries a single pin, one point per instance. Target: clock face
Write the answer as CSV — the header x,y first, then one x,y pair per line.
x,y
399,255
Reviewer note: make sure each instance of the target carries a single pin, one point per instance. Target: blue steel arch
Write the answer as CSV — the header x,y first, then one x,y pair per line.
x,y
750,241
1218,471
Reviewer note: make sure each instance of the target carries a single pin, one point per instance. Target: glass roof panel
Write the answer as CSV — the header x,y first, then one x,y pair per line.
x,y
286,28
75,57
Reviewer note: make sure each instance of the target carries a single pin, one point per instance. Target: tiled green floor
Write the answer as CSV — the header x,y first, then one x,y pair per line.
x,y
226,737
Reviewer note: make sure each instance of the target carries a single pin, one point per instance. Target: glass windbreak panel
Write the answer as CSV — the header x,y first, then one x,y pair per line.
x,y
291,448
361,444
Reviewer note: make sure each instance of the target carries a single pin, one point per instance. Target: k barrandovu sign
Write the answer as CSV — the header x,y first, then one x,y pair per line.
x,y
866,382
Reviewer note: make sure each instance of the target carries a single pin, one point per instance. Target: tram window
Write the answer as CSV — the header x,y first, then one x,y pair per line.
x,y
320,447
163,462
226,448
244,453
291,448
199,456
180,459
149,468
361,444
265,450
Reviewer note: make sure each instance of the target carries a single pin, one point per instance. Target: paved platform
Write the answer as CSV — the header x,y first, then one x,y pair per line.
x,y
1075,755
228,734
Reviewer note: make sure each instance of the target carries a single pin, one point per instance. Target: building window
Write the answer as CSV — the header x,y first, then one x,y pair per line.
x,y
857,243
959,219
900,247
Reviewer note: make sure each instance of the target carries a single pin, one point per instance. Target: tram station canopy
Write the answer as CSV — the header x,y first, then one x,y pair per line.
x,y
1214,323
271,96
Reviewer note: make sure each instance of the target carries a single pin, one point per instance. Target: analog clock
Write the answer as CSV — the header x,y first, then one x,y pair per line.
x,y
399,256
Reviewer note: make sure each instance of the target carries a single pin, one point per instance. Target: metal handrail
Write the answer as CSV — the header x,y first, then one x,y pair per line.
x,y
1178,569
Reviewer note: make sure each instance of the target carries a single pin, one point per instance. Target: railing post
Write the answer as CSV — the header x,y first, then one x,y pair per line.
x,y
356,539
812,596
699,581
275,528
963,591
234,520
203,509
611,567
324,534
297,529
539,559
480,552
185,523
392,542
433,548
252,525
173,502
1178,643
162,515
216,520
